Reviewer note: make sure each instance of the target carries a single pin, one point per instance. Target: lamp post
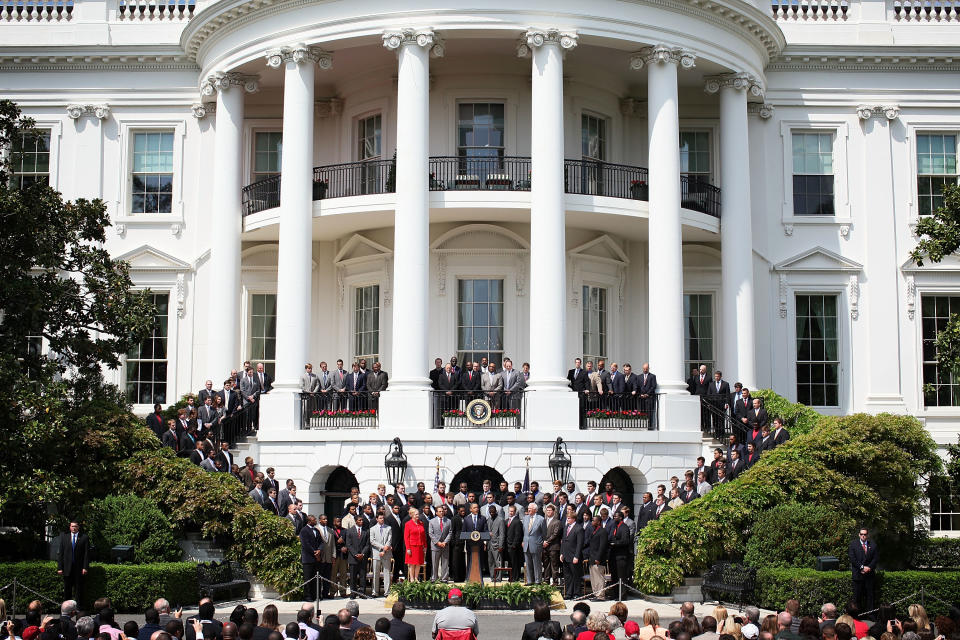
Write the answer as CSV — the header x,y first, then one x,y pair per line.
x,y
560,462
395,462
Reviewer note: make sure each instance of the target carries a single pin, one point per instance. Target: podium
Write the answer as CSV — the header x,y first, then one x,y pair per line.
x,y
474,540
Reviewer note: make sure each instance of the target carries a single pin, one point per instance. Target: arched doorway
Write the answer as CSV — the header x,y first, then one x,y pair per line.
x,y
336,490
474,476
621,483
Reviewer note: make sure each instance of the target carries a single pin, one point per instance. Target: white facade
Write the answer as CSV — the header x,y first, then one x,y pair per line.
x,y
856,105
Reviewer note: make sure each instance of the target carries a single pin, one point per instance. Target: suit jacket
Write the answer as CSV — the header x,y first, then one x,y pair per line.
x,y
781,437
512,380
553,532
469,526
645,514
531,630
170,439
498,532
380,539
340,379
310,543
282,503
767,443
649,387
225,458
207,415
578,380
155,424
196,457
325,382
72,557
859,559
571,541
264,385
756,418
329,550
751,459
436,533
400,630
271,506
203,394
631,383
435,376
491,382
249,387
470,380
377,382
357,543
534,534
723,395
598,545
514,532
700,387
447,382
735,468
356,382
741,410
656,515
231,402
309,383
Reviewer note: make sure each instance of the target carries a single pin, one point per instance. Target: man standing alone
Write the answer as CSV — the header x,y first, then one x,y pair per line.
x,y
73,561
863,565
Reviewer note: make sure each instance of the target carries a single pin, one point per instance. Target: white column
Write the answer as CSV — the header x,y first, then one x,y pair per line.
x,y
884,383
223,316
736,239
294,265
408,403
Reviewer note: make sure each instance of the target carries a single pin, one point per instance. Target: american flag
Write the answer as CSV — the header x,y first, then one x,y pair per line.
x,y
436,481
526,481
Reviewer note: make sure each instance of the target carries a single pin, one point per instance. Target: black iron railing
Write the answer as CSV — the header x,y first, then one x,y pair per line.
x,y
716,420
239,425
339,410
699,195
453,410
619,411
506,173
597,178
453,173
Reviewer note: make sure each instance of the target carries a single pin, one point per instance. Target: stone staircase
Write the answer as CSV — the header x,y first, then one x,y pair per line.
x,y
244,448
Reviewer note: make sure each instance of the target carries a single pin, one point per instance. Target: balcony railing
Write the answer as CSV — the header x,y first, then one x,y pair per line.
x,y
339,410
507,173
619,411
453,410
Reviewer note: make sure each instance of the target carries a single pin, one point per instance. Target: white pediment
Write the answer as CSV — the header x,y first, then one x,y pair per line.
x,y
360,248
949,263
146,258
602,248
818,259
480,239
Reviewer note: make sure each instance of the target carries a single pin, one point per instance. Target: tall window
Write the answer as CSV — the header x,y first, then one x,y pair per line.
x,y
480,320
30,159
152,175
366,323
267,152
936,166
368,137
593,137
818,350
695,155
147,362
698,331
594,323
940,387
480,138
813,174
263,330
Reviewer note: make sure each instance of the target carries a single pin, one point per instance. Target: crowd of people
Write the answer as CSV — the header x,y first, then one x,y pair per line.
x,y
162,622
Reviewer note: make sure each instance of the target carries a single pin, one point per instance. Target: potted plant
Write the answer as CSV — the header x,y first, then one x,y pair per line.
x,y
639,190
319,188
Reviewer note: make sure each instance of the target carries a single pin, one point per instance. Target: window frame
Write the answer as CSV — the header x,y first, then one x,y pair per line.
x,y
354,287
607,320
254,176
607,127
841,188
711,152
935,283
504,284
356,121
248,333
794,346
171,359
129,127
914,145
714,325
11,153
505,147
55,127
132,173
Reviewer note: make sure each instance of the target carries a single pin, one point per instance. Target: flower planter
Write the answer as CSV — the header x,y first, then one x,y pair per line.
x,y
319,189
455,422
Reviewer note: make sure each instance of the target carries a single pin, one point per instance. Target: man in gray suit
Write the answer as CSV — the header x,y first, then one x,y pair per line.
x,y
381,544
513,384
328,555
498,538
491,384
439,531
377,381
249,388
339,386
534,532
309,383
257,492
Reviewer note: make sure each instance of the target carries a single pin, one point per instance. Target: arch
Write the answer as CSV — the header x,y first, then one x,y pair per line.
x,y
474,476
329,488
629,481
480,238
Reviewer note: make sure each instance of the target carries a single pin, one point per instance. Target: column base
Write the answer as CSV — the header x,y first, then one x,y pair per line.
x,y
552,410
679,412
405,409
884,403
280,410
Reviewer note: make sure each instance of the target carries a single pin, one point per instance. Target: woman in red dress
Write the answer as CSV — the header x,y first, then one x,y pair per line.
x,y
415,541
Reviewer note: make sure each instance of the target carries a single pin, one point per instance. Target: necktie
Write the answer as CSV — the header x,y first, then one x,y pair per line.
x,y
441,526
530,528
74,544
864,548
569,526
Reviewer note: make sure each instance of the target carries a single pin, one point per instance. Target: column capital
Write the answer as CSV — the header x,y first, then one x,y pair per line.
x,y
736,81
536,38
685,58
222,81
98,111
426,38
300,54
762,109
889,111
202,109
633,107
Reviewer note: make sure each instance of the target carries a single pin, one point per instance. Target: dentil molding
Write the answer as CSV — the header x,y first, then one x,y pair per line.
x,y
536,38
224,80
661,53
425,38
737,81
98,111
299,54
889,111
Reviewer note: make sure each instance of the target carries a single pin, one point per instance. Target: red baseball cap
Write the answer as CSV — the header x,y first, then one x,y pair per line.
x,y
631,628
454,593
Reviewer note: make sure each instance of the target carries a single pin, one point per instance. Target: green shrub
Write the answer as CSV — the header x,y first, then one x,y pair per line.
x,y
797,418
937,553
812,588
864,467
219,505
793,535
131,587
511,593
132,520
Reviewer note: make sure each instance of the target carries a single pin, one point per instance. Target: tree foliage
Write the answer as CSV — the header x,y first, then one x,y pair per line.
x,y
131,520
793,535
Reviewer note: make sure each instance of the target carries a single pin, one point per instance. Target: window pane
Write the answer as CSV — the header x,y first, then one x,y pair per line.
x,y
480,323
817,352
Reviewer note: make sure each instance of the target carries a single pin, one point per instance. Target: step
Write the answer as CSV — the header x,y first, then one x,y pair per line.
x,y
260,591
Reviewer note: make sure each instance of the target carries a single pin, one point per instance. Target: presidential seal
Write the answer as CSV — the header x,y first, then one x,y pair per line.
x,y
475,536
479,411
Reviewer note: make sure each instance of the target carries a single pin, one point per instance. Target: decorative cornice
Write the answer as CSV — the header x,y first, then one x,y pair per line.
x,y
889,111
327,107
536,38
202,109
299,54
426,38
632,107
222,81
762,109
824,58
144,58
98,111
685,58
737,81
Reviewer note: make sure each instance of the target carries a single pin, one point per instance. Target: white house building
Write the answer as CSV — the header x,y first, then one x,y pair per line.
x,y
678,182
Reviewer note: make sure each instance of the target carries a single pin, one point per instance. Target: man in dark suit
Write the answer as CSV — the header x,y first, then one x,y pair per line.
x,y
231,399
741,408
435,372
719,459
270,504
356,388
400,630
735,467
73,561
475,522
155,420
621,550
540,625
578,377
863,566
660,508
780,435
756,418
598,547
448,382
264,379
357,540
470,379
733,445
699,385
645,513
647,392
571,555
718,395
514,542
198,454
753,454
311,548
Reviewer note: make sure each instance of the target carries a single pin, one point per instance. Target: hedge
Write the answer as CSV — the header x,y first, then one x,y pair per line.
x,y
813,588
131,520
797,418
937,553
131,587
793,535
864,467
220,506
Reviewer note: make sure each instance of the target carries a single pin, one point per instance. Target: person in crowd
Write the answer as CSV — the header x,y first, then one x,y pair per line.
x,y
73,560
534,535
542,626
455,616
381,544
571,555
863,556
357,541
415,543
